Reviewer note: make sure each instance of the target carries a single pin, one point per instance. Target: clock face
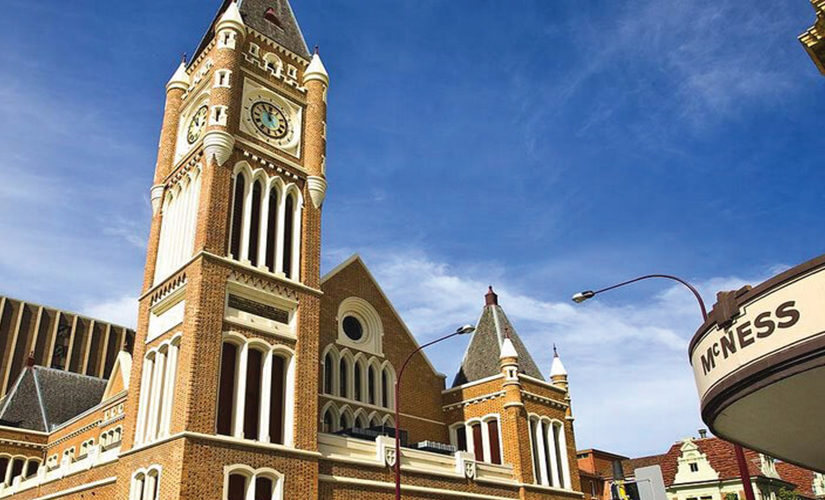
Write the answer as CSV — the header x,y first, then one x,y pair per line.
x,y
270,120
196,125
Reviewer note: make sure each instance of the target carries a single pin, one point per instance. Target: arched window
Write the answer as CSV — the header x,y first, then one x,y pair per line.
x,y
226,391
253,399
549,447
343,372
329,380
277,399
146,484
344,422
482,437
31,468
252,406
371,376
289,214
244,483
386,388
356,382
157,391
237,487
329,423
255,224
237,215
177,232
272,230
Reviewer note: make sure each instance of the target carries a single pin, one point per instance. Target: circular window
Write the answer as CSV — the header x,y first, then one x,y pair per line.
x,y
353,328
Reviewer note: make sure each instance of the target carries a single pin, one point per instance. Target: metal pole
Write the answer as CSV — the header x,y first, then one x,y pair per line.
x,y
744,473
398,414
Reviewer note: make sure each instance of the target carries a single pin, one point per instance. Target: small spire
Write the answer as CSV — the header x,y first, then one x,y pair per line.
x,y
491,299
508,350
557,368
316,70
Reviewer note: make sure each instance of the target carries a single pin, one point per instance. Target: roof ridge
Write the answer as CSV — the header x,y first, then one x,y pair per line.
x,y
67,372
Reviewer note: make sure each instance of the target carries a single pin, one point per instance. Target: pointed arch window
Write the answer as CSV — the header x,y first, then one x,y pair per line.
x,y
372,375
272,230
265,225
329,379
237,215
289,214
343,378
356,382
386,387
255,224
329,422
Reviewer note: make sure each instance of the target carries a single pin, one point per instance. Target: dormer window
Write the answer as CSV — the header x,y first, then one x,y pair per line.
x,y
272,16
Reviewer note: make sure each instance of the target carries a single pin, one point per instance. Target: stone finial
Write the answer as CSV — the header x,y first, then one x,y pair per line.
x,y
30,360
180,79
316,71
508,350
231,18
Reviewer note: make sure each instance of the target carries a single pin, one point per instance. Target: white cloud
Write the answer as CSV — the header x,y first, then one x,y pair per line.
x,y
120,311
632,385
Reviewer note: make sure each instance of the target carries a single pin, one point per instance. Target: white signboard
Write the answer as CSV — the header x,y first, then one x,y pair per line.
x,y
790,313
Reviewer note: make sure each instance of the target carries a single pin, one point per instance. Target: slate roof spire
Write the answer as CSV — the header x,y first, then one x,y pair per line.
x,y
272,18
482,357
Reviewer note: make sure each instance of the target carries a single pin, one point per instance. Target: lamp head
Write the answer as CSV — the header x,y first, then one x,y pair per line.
x,y
582,296
465,329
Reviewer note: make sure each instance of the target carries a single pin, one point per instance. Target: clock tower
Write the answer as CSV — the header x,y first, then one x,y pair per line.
x,y
226,354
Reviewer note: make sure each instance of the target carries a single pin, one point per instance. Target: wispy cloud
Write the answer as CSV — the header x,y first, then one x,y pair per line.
x,y
632,386
119,310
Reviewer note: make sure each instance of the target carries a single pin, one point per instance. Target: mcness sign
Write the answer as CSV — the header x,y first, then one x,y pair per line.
x,y
755,324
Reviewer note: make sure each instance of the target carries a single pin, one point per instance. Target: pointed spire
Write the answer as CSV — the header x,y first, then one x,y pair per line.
x,y
508,350
316,70
231,18
557,368
491,299
179,80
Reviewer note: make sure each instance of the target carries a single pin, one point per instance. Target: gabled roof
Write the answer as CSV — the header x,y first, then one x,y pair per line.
x,y
482,357
356,260
272,18
43,398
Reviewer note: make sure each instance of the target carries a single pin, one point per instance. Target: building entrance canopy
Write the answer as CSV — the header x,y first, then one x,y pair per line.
x,y
759,364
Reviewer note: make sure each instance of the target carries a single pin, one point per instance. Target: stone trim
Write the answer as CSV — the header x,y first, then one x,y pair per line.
x,y
468,402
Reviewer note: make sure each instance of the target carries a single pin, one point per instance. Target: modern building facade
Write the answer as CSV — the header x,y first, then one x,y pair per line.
x,y
57,339
252,376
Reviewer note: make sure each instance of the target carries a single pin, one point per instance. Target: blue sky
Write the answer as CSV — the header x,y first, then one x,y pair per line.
x,y
539,146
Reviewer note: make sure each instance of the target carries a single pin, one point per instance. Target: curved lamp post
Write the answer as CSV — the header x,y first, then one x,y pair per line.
x,y
460,331
580,297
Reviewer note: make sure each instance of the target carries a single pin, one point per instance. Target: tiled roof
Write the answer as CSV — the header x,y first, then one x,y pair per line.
x,y
272,18
631,464
802,478
482,357
43,398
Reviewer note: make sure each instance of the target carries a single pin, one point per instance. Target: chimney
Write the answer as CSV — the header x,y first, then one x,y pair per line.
x,y
30,360
703,433
491,299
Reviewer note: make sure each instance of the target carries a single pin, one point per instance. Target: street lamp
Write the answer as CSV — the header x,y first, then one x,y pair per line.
x,y
460,331
580,297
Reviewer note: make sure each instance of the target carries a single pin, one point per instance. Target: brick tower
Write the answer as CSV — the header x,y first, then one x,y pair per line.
x,y
234,247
